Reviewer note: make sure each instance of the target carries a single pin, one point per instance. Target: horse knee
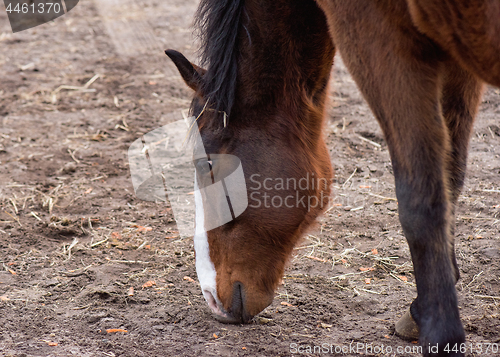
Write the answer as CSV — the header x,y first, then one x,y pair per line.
x,y
423,219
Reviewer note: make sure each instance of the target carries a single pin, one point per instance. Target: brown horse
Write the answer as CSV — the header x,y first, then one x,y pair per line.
x,y
420,65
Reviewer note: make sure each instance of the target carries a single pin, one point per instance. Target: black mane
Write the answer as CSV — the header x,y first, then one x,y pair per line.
x,y
218,24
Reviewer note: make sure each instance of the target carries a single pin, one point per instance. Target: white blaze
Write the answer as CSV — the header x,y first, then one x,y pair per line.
x,y
205,269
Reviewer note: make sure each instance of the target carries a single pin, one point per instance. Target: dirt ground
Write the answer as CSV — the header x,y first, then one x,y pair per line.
x,y
74,239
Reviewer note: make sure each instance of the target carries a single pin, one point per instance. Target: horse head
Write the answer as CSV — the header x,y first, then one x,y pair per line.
x,y
278,140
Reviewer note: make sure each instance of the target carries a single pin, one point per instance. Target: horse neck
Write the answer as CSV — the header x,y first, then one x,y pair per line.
x,y
286,59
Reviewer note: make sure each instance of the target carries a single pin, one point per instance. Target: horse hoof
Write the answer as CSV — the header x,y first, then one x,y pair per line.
x,y
407,328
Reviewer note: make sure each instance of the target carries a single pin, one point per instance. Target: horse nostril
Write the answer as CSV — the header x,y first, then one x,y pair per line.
x,y
238,305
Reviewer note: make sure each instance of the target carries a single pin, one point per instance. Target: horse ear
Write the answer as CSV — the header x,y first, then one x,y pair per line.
x,y
191,73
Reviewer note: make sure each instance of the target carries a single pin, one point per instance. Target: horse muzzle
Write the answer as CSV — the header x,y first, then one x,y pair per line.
x,y
237,313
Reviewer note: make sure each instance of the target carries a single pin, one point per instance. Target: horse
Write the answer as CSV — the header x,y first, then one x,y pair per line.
x,y
260,95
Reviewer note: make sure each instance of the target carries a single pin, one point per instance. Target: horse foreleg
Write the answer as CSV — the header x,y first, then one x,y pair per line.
x,y
400,73
461,96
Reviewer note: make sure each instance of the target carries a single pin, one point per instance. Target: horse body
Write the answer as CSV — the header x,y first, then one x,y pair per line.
x,y
468,30
420,70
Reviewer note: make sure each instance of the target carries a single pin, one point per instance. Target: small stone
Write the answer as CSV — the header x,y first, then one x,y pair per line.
x,y
392,206
263,320
69,168
492,253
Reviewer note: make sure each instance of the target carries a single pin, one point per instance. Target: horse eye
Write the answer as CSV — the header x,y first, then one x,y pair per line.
x,y
204,166
204,172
